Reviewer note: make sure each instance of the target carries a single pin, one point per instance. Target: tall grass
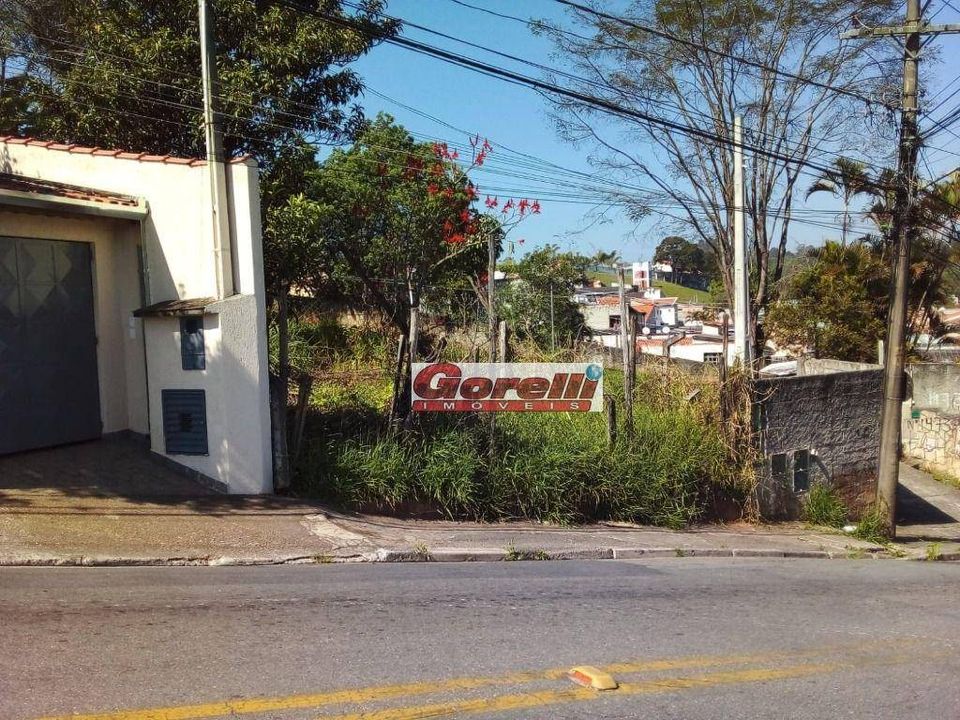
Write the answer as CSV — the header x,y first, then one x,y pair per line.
x,y
555,468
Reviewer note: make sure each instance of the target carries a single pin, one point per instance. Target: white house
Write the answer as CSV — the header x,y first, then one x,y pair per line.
x,y
656,313
119,315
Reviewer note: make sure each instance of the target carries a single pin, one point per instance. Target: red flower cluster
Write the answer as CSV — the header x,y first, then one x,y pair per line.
x,y
442,151
480,150
465,226
414,166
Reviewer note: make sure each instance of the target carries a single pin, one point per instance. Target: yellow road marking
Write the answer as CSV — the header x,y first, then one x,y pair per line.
x,y
384,692
521,701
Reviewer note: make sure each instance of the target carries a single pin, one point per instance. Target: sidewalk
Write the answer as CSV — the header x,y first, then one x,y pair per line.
x,y
72,523
928,510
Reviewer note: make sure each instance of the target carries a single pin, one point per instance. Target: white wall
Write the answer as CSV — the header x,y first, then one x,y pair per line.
x,y
668,314
178,231
239,447
178,237
597,317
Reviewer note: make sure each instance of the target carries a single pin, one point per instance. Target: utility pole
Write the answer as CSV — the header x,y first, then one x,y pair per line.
x,y
492,330
625,338
741,278
223,263
901,234
492,295
553,325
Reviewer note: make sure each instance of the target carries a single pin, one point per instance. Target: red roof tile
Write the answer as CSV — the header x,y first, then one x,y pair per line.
x,y
22,184
642,306
142,157
608,300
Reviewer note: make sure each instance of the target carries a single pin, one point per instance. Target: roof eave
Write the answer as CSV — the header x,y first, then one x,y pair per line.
x,y
39,201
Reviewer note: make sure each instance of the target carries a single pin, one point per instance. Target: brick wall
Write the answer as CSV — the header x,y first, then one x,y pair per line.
x,y
834,417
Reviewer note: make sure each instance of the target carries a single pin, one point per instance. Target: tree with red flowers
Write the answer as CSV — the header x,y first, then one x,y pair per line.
x,y
401,215
407,220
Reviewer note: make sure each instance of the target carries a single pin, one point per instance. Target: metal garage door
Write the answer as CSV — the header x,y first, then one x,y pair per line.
x,y
49,393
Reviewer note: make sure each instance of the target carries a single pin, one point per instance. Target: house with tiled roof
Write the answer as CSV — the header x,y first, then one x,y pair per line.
x,y
121,314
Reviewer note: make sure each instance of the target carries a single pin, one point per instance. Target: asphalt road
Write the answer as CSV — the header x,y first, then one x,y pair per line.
x,y
685,638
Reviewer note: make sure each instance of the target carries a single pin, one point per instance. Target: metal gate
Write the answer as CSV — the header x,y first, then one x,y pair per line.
x,y
49,392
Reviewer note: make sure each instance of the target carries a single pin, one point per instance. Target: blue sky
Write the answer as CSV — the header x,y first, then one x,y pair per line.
x,y
517,118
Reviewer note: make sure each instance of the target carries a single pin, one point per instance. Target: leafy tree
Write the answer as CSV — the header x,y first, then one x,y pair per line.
x,y
296,256
123,74
539,305
683,256
401,219
836,307
839,303
549,267
935,250
13,98
846,179
698,81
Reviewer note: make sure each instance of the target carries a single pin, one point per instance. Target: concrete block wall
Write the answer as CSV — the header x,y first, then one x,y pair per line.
x,y
931,417
834,416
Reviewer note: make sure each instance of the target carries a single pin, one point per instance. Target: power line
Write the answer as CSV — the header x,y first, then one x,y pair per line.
x,y
311,120
613,46
600,84
577,199
523,80
598,103
720,53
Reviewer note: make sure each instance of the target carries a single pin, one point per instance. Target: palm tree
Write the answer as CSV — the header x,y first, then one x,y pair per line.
x,y
880,211
846,179
602,258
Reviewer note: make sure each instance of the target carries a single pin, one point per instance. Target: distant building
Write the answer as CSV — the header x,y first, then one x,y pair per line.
x,y
641,275
662,271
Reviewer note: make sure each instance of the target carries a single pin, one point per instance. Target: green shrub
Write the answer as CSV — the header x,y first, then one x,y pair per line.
x,y
824,507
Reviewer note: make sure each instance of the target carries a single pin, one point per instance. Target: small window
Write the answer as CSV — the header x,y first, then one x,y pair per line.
x,y
713,358
801,470
184,421
192,351
778,467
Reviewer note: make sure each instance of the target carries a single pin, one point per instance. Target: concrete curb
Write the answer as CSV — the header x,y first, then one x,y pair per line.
x,y
387,555
198,561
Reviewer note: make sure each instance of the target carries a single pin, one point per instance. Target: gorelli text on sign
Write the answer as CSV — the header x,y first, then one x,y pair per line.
x,y
507,387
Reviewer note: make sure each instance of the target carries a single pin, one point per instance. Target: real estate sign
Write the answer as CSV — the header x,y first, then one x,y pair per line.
x,y
507,387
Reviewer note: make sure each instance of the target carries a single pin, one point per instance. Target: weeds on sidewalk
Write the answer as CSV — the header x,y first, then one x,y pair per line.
x,y
824,507
512,554
872,527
